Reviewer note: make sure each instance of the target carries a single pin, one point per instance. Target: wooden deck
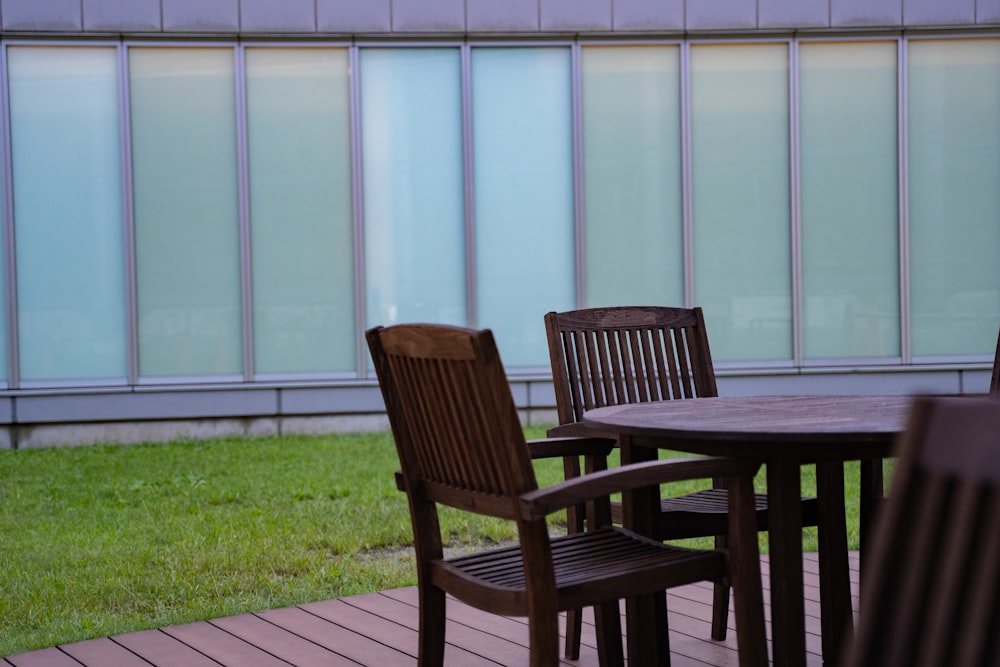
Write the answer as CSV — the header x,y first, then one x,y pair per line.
x,y
380,630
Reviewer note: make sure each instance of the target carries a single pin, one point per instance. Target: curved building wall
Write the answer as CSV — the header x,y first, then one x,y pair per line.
x,y
206,203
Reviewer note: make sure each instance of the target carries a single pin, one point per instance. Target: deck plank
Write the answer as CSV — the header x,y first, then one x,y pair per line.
x,y
221,646
381,629
157,647
343,641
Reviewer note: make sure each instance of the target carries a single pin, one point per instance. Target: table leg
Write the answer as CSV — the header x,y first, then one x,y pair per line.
x,y
784,492
836,615
872,492
645,616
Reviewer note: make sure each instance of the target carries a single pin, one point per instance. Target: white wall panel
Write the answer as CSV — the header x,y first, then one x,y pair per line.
x,y
855,13
493,16
576,14
721,14
270,16
935,12
201,15
353,16
648,14
42,15
793,13
428,15
141,15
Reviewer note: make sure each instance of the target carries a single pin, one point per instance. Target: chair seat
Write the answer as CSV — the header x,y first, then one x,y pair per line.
x,y
621,562
694,514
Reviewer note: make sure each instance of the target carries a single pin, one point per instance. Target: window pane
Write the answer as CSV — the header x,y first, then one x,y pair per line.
x,y
186,211
954,106
632,172
300,208
524,194
850,222
739,116
411,121
64,113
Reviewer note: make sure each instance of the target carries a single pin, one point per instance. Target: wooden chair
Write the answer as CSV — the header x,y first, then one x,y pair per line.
x,y
626,354
460,444
931,594
995,381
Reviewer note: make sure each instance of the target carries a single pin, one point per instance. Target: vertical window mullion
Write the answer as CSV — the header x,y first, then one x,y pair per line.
x,y
243,192
11,353
795,201
128,217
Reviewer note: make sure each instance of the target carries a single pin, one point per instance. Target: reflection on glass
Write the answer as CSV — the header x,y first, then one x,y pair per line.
x,y
186,211
411,125
740,165
632,175
66,150
850,222
521,102
300,210
954,104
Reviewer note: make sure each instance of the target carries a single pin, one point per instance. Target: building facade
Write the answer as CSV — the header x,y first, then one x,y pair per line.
x,y
207,202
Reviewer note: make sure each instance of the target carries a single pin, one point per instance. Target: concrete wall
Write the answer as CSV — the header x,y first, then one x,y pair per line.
x,y
54,419
407,17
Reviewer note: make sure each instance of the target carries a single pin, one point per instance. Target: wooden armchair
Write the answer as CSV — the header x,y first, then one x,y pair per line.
x,y
931,593
460,444
995,380
633,354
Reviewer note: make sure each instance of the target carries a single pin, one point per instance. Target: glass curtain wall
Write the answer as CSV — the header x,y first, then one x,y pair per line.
x,y
954,107
414,211
299,164
523,140
67,200
741,199
763,181
849,200
633,205
187,243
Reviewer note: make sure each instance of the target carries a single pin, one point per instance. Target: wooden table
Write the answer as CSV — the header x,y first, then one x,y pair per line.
x,y
786,432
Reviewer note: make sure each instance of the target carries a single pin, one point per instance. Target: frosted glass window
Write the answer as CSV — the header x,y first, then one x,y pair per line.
x,y
632,175
411,124
186,211
850,221
300,210
954,144
66,151
740,172
521,99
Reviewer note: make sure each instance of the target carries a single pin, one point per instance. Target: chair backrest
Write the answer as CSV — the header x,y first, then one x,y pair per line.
x,y
627,354
995,381
452,415
931,595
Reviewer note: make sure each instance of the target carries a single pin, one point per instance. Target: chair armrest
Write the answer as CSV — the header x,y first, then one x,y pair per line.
x,y
542,502
545,448
579,430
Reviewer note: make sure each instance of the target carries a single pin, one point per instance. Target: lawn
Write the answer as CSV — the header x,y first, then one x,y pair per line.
x,y
101,540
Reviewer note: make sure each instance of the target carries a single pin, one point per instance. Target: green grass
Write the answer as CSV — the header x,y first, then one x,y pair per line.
x,y
101,540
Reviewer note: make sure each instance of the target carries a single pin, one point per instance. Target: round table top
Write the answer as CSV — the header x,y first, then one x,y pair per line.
x,y
806,418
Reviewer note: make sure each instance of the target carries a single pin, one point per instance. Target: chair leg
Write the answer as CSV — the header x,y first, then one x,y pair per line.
x,y
720,600
608,619
574,524
432,624
543,638
720,611
574,628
